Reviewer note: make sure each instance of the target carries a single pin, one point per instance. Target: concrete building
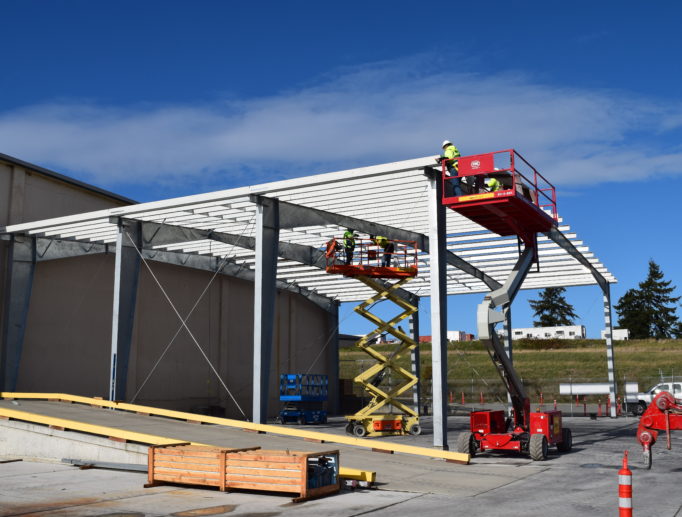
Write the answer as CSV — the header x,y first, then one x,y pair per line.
x,y
459,335
561,332
68,322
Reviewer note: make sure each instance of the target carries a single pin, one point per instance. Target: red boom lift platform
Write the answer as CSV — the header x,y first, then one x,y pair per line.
x,y
522,207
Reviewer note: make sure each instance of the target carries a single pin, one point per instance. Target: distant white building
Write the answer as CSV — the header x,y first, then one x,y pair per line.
x,y
563,332
617,334
459,335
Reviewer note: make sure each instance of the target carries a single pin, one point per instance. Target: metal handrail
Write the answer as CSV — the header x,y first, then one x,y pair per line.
x,y
369,254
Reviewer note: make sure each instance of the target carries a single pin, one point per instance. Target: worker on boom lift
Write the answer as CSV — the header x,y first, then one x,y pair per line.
x,y
493,184
388,246
450,152
349,244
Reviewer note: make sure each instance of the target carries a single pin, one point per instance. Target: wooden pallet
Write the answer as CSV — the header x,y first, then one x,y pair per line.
x,y
302,473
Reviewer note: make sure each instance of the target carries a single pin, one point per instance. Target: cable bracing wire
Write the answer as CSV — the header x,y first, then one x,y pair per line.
x,y
184,324
220,267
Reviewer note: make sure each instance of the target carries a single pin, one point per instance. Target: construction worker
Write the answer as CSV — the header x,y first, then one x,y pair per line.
x,y
493,184
450,152
388,246
349,244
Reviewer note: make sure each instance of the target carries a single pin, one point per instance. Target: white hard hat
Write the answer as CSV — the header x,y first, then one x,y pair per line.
x,y
446,143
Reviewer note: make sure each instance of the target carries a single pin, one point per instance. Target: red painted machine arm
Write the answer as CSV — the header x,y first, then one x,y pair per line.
x,y
663,414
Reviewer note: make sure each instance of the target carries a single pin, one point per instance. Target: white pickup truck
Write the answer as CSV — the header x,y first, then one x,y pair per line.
x,y
643,399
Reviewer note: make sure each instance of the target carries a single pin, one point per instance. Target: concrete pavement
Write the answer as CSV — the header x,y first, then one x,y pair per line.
x,y
583,482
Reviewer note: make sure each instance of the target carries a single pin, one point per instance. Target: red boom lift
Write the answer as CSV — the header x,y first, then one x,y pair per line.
x,y
663,414
524,206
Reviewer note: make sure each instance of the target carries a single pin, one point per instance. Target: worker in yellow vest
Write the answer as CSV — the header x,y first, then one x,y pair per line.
x,y
349,244
450,153
387,245
493,184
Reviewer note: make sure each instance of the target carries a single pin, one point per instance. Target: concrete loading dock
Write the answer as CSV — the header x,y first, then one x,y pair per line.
x,y
583,482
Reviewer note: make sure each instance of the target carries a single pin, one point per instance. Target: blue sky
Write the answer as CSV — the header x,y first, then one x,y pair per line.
x,y
159,99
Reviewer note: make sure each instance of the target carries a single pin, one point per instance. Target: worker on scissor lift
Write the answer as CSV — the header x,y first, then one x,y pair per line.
x,y
349,244
388,247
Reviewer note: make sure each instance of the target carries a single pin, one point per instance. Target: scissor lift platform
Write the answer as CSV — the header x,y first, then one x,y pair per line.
x,y
524,205
372,271
367,261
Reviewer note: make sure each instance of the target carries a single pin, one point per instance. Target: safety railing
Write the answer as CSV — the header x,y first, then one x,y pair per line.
x,y
515,175
370,253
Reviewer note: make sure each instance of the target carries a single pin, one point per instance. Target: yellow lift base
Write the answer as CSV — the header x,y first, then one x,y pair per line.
x,y
359,475
373,420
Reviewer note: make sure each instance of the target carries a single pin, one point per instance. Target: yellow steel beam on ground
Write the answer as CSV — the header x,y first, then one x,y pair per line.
x,y
101,430
456,457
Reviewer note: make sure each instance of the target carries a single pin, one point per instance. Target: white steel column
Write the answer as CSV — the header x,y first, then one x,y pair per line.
x,y
333,387
19,282
439,311
265,293
416,361
609,350
126,275
115,315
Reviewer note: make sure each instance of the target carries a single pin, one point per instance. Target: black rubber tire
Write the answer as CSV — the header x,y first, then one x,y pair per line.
x,y
359,430
349,428
640,408
566,440
415,430
466,444
538,447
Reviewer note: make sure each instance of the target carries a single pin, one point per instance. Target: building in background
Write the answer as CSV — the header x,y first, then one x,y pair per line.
x,y
562,332
459,335
66,346
618,334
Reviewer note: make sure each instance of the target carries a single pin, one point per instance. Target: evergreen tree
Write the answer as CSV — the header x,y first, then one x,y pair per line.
x,y
552,308
650,311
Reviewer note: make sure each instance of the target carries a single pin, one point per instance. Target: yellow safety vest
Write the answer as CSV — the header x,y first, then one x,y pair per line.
x,y
452,152
494,185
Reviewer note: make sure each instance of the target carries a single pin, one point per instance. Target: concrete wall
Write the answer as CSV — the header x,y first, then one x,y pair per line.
x,y
68,338
29,195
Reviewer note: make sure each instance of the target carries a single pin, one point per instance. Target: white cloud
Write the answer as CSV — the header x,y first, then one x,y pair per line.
x,y
373,114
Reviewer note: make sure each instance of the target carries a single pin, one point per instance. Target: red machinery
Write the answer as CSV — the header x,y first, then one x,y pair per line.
x,y
525,205
516,209
663,414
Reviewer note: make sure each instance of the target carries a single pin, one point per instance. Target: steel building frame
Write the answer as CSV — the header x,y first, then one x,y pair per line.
x,y
274,235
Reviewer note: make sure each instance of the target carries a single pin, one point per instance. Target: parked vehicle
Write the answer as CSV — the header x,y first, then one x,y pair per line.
x,y
643,399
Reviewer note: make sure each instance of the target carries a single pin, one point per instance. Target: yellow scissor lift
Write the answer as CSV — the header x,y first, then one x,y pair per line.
x,y
369,263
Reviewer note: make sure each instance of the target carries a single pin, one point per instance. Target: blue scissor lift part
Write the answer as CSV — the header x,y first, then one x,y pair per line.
x,y
304,395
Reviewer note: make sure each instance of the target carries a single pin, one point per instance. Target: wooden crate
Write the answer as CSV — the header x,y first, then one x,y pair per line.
x,y
187,464
307,474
